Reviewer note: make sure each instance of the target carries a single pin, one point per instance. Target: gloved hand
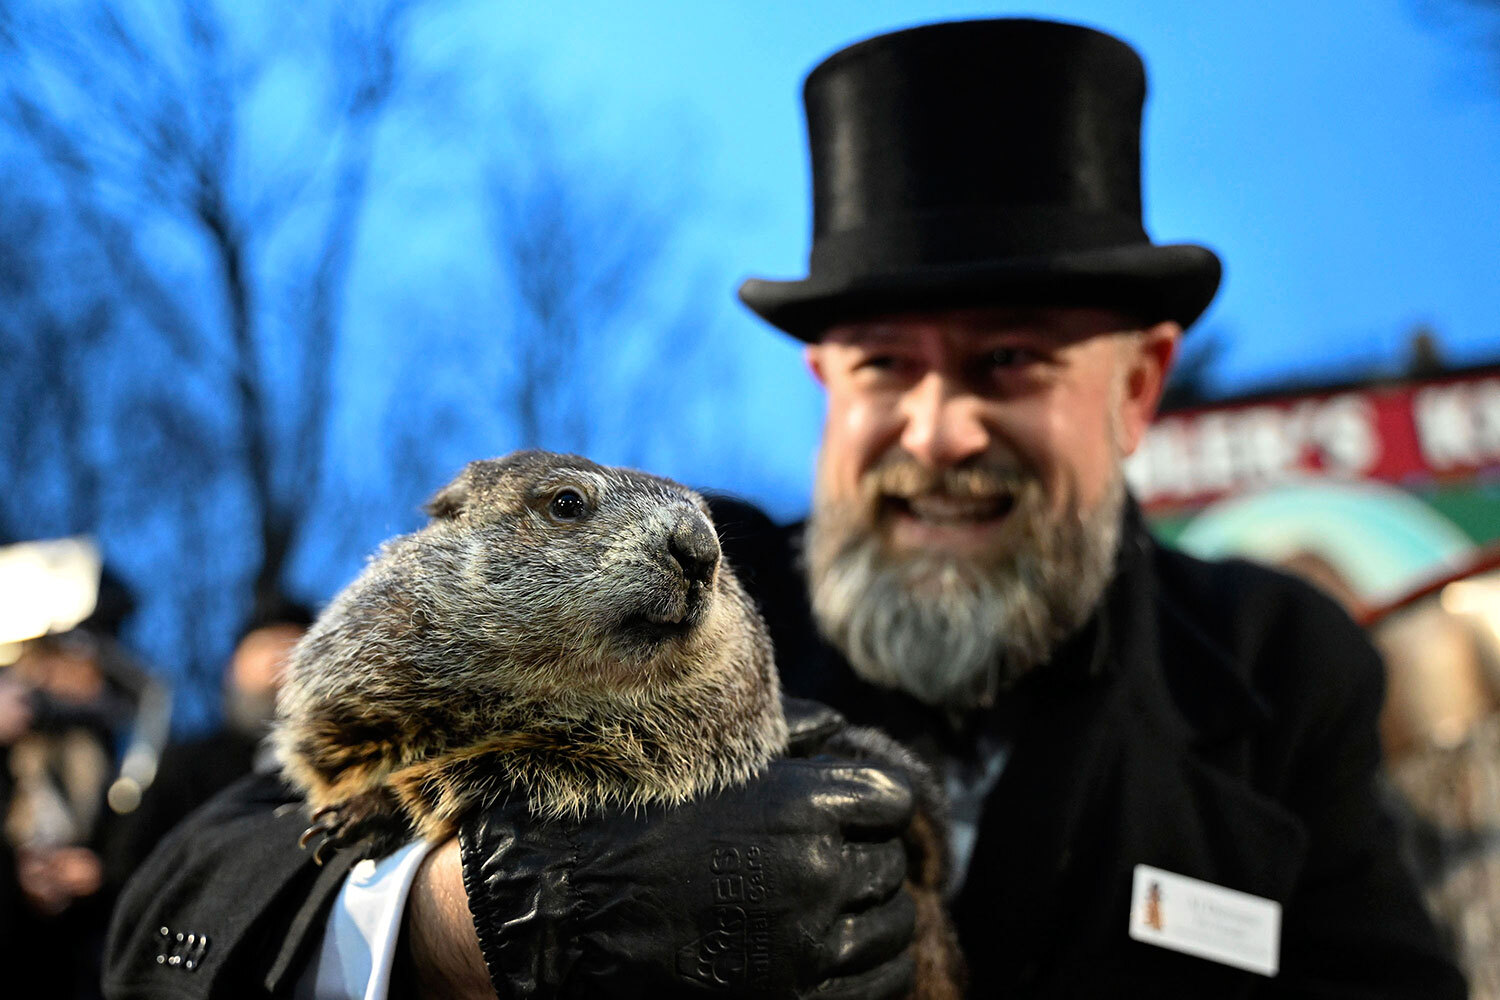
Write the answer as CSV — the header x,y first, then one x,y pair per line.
x,y
785,887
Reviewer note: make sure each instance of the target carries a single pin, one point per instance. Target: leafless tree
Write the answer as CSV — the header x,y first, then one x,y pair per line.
x,y
1193,376
48,354
579,237
1476,21
143,114
172,290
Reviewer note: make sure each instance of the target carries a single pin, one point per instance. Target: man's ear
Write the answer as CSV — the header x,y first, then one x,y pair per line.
x,y
1147,363
813,354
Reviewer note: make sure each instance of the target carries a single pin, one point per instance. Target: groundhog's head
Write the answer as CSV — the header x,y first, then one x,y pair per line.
x,y
612,573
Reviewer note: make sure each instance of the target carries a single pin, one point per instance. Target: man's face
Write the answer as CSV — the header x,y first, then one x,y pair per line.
x,y
970,482
255,673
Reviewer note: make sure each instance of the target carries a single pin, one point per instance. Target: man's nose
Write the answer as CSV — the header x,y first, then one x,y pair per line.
x,y
943,424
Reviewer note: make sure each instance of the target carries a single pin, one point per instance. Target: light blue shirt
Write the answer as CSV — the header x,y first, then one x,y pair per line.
x,y
358,950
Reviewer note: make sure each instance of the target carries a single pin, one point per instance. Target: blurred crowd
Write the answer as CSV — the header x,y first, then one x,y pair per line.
x,y
85,798
79,815
1440,734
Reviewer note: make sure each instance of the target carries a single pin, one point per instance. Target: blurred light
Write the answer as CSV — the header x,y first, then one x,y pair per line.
x,y
1449,731
47,586
124,795
1477,598
138,768
1471,597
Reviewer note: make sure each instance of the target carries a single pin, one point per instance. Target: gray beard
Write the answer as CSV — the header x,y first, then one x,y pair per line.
x,y
950,630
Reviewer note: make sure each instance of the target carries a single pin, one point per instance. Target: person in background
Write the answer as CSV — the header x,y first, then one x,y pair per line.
x,y
64,705
191,772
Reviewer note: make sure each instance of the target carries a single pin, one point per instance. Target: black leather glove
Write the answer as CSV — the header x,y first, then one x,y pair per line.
x,y
786,887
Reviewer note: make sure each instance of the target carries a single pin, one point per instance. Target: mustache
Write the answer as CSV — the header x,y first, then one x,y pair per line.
x,y
898,475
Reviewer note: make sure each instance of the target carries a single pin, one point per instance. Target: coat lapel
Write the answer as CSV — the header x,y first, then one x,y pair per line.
x,y
1110,768
1030,849
1041,828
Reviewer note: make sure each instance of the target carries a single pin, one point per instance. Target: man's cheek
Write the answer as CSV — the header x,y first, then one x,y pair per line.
x,y
863,414
856,437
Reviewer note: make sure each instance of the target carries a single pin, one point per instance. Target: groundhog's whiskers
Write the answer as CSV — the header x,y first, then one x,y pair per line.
x,y
561,630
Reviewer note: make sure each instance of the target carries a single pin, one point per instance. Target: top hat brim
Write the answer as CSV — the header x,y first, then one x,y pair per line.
x,y
1151,283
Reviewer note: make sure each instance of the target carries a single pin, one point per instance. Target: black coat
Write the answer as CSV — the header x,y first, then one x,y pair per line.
x,y
187,775
1214,720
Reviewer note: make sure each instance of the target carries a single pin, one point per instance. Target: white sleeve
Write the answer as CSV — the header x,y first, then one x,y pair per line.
x,y
359,941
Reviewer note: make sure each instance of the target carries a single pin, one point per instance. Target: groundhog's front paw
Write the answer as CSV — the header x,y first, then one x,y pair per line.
x,y
368,819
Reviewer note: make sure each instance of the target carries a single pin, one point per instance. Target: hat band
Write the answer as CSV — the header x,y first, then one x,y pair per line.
x,y
981,235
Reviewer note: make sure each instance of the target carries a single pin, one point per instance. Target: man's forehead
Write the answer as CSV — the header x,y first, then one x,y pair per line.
x,y
1061,323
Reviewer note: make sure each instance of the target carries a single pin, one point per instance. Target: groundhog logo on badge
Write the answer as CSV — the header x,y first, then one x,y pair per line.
x,y
1153,908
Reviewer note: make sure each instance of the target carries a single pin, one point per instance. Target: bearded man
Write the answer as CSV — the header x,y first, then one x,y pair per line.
x,y
945,571
1161,771
1124,731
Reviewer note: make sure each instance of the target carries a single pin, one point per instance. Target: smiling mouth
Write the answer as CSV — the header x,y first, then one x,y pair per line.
x,y
939,509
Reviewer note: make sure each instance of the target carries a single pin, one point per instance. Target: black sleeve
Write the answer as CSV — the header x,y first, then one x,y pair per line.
x,y
1357,925
227,906
765,556
187,776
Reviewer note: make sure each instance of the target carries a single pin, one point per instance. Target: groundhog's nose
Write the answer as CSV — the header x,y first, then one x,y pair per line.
x,y
695,547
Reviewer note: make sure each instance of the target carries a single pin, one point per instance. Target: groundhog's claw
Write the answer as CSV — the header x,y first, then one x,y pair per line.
x,y
325,821
369,817
318,857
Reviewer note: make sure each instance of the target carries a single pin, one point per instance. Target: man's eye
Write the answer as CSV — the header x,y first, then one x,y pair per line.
x,y
879,362
1003,358
568,505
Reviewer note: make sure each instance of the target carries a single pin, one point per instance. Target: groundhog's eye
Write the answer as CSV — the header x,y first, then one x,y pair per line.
x,y
568,505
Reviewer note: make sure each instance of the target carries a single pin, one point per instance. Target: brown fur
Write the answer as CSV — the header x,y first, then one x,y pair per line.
x,y
502,650
941,972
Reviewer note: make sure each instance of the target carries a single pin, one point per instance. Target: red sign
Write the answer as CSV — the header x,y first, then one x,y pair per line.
x,y
1408,434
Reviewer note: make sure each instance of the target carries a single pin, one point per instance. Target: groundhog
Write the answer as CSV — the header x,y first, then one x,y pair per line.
x,y
561,631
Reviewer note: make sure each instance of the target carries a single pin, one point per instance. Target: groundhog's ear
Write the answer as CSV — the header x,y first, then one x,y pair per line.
x,y
449,501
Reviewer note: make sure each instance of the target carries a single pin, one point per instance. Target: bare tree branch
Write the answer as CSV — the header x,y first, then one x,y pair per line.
x,y
131,110
76,176
576,238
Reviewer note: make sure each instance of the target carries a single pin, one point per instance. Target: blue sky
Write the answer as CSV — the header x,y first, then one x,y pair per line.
x,y
1340,155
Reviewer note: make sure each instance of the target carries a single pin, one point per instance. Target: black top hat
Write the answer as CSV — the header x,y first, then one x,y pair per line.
x,y
981,163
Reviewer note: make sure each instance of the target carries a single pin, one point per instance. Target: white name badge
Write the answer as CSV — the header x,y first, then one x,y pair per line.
x,y
1206,920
